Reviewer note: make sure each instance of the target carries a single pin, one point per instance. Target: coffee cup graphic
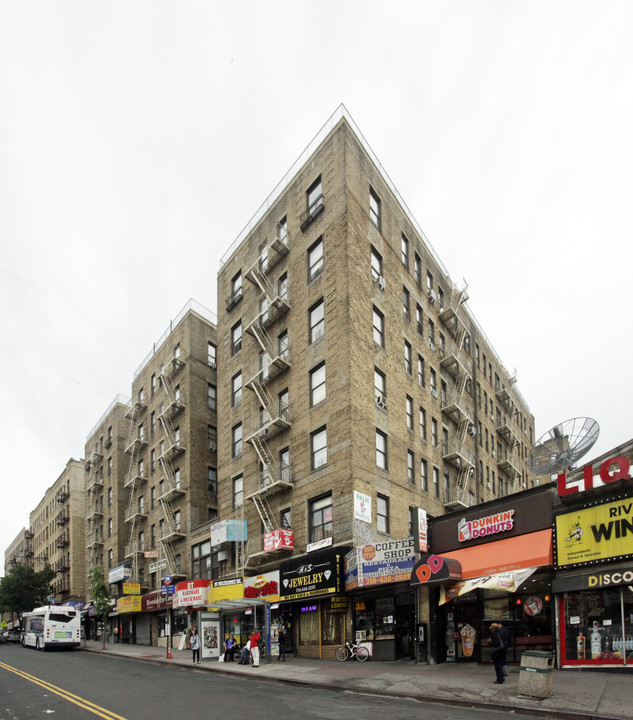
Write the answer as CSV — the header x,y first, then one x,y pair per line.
x,y
468,634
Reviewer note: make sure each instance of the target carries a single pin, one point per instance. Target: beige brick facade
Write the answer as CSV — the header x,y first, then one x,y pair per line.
x,y
477,429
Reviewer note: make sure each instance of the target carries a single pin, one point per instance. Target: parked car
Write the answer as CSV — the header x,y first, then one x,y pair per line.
x,y
10,636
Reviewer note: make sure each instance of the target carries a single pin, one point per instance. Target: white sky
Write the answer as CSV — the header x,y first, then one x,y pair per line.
x,y
138,138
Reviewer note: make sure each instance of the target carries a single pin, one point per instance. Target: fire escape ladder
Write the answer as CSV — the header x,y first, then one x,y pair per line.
x,y
261,335
462,484
270,465
462,430
170,473
263,395
265,513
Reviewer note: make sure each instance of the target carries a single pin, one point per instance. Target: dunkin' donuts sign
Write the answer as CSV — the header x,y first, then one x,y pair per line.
x,y
487,525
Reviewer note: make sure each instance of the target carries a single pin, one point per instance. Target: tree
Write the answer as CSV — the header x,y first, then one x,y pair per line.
x,y
23,589
100,593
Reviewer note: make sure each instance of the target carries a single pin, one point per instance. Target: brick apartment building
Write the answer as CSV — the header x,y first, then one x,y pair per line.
x,y
352,364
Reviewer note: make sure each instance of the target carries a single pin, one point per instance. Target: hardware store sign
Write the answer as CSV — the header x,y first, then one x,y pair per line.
x,y
594,534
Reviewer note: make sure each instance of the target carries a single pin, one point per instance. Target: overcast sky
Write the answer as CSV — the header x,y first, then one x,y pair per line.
x,y
138,138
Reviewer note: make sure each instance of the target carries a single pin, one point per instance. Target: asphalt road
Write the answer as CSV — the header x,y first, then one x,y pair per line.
x,y
76,685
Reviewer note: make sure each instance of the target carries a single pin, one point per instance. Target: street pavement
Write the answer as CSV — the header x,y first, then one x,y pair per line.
x,y
575,694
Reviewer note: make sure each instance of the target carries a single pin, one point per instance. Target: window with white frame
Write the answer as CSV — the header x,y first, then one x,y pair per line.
x,y
212,399
407,357
380,385
236,389
436,482
424,480
381,449
404,255
317,321
376,264
382,513
409,412
317,384
318,451
211,355
238,491
236,442
422,423
374,208
410,467
315,260
379,328
320,515
406,303
236,338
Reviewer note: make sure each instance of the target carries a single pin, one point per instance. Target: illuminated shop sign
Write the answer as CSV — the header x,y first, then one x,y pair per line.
x,y
487,525
595,534
612,470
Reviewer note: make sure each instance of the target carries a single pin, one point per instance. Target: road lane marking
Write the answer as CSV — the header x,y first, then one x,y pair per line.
x,y
65,694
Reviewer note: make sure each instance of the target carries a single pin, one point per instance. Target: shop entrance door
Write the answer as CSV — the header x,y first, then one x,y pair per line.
x,y
405,626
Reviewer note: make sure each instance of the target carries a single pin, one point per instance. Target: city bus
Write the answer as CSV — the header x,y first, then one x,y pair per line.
x,y
51,626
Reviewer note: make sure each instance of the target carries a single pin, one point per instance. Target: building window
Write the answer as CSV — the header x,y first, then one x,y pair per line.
x,y
433,376
374,208
238,491
404,245
420,371
410,467
424,481
419,319
284,405
152,423
282,287
212,403
177,520
318,442
141,540
317,321
382,513
409,411
376,265
284,345
380,386
153,384
406,303
285,519
379,328
315,198
317,384
212,438
417,270
422,423
282,230
315,260
436,482
447,488
236,389
381,450
284,465
236,290
320,511
212,480
434,435
201,564
236,441
407,357
211,355
152,498
236,338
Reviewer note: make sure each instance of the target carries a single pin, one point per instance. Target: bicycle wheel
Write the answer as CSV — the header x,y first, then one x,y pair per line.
x,y
341,653
362,654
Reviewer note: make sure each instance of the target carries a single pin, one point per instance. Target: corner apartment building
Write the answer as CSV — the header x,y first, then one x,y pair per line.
x,y
57,527
19,551
106,499
171,473
352,363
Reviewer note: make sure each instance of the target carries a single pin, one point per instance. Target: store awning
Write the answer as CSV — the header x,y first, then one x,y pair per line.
x,y
532,550
507,581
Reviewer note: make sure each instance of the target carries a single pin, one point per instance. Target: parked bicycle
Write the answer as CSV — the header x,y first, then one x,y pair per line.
x,y
350,650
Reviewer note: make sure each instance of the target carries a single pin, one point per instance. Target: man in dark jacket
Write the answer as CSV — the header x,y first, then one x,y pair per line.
x,y
498,651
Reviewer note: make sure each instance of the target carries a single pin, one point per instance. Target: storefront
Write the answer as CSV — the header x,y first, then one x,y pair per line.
x,y
383,603
593,533
490,563
311,594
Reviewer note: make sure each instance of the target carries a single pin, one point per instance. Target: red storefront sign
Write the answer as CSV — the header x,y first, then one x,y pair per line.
x,y
279,539
608,474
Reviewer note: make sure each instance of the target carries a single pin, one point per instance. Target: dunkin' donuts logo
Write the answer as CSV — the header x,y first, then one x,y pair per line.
x,y
488,525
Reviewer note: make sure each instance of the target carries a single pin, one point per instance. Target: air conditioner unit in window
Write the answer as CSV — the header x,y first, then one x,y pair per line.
x,y
434,393
380,281
432,296
472,431
493,454
223,555
381,402
432,345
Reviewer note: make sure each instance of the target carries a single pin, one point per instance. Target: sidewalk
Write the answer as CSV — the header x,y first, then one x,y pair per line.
x,y
576,694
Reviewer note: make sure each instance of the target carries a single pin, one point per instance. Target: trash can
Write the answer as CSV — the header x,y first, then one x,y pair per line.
x,y
535,676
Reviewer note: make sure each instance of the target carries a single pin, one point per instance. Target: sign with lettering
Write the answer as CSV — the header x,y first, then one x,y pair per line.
x,y
362,507
230,530
612,470
279,539
594,534
312,575
131,588
385,562
488,525
191,593
265,585
431,569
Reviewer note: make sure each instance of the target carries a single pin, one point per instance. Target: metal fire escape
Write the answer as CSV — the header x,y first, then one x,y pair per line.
x,y
507,461
455,403
274,359
173,448
134,480
94,488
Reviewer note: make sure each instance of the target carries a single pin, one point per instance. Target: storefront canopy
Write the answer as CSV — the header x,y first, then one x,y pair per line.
x,y
532,550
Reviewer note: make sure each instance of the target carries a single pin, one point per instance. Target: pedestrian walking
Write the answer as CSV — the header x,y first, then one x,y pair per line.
x,y
505,637
194,644
282,645
255,647
498,651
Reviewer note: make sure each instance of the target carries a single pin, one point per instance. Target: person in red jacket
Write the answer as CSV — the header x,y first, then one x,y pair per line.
x,y
255,647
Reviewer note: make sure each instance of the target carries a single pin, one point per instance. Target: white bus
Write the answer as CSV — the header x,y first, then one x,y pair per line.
x,y
52,626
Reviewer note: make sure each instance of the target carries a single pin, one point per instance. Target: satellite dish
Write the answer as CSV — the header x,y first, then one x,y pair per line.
x,y
563,445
